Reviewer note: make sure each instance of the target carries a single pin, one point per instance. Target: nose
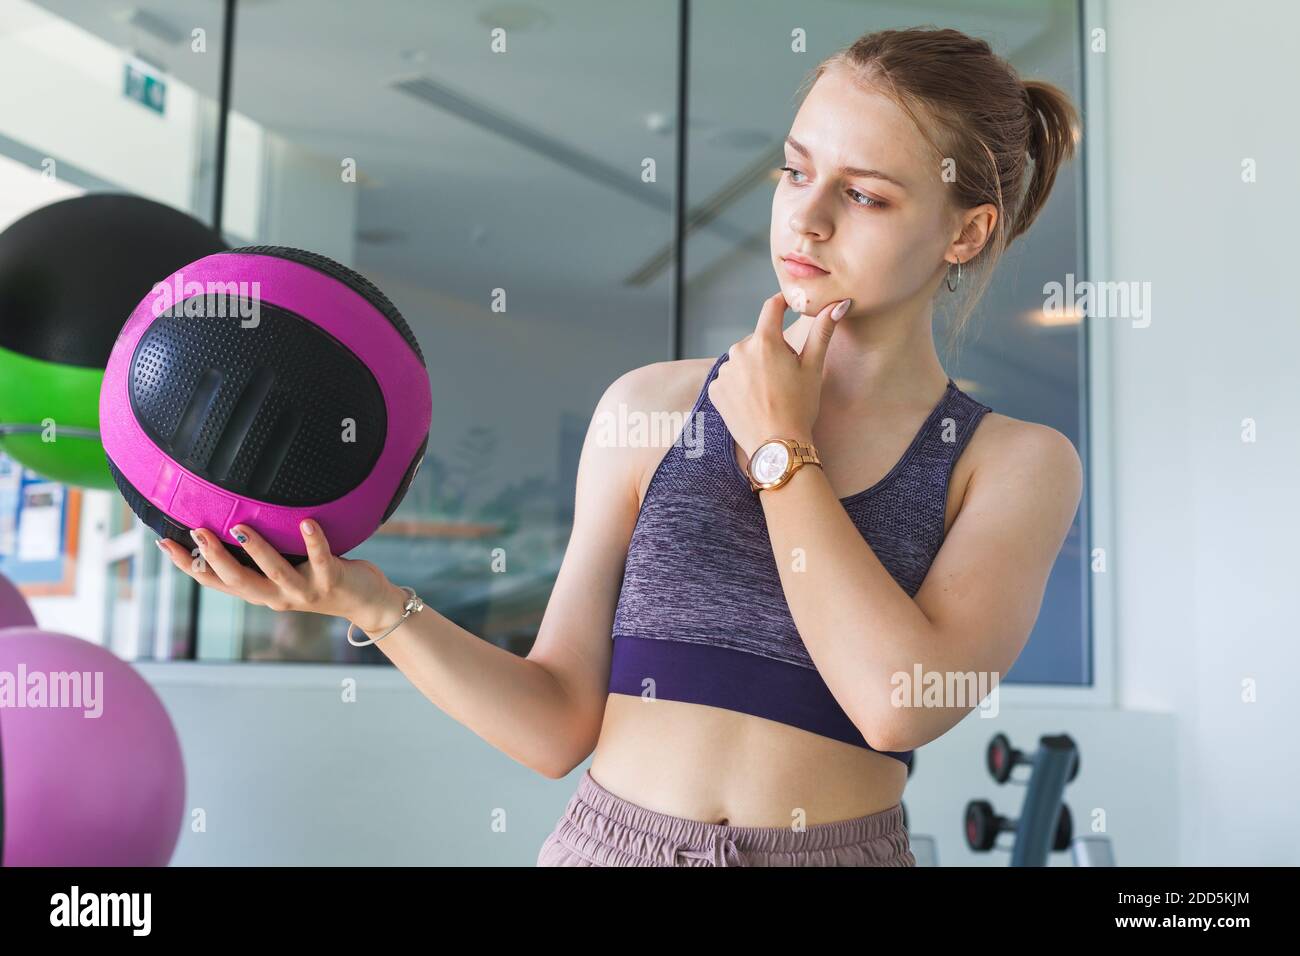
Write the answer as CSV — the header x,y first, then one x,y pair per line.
x,y
807,219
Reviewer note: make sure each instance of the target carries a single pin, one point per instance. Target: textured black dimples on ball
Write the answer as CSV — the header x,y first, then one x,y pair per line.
x,y
281,411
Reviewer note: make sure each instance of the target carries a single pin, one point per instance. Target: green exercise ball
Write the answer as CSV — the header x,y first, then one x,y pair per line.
x,y
71,273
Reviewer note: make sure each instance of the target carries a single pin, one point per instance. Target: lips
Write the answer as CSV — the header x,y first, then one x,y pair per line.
x,y
799,266
806,261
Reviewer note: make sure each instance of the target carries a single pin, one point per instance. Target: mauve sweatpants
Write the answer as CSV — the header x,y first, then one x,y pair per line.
x,y
600,829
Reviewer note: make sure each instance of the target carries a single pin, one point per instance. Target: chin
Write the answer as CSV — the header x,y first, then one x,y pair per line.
x,y
793,293
813,303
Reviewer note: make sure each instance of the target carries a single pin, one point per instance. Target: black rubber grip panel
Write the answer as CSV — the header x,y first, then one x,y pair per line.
x,y
165,527
350,278
258,411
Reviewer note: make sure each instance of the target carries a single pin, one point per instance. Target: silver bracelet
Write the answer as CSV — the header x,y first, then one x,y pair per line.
x,y
413,606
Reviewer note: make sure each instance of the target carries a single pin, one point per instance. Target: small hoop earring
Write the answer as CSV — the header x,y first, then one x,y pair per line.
x,y
951,287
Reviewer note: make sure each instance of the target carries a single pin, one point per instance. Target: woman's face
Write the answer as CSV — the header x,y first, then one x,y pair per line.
x,y
880,242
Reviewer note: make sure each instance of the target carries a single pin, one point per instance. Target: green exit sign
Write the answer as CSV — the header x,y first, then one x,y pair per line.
x,y
143,86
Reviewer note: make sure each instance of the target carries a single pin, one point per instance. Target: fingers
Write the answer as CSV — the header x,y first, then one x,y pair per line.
x,y
771,317
819,336
195,567
242,581
318,548
291,585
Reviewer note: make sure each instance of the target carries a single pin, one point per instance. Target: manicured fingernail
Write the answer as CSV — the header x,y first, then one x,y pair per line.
x,y
161,547
307,528
198,537
239,534
839,310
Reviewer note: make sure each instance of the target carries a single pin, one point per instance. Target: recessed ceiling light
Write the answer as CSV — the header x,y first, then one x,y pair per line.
x,y
659,122
1068,317
665,124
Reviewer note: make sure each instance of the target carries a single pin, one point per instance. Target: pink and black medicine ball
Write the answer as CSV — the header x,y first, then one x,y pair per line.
x,y
265,385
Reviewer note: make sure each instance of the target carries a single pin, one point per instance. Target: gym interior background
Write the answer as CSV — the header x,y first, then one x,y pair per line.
x,y
476,170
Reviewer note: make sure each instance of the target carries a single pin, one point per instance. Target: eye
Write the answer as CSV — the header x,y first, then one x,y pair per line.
x,y
868,204
869,201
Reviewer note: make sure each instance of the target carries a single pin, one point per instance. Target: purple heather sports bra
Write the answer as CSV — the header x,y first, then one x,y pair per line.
x,y
701,610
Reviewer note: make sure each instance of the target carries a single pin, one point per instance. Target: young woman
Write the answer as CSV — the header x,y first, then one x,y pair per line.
x,y
833,517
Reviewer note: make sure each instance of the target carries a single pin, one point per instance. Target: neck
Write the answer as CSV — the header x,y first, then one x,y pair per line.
x,y
878,359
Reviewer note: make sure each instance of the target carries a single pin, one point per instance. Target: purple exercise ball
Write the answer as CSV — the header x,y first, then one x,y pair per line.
x,y
14,611
78,789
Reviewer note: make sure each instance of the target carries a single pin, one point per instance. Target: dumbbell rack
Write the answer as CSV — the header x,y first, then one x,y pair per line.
x,y
1044,824
1044,800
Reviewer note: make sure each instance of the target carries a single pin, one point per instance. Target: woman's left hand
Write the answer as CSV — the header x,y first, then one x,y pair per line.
x,y
766,389
323,584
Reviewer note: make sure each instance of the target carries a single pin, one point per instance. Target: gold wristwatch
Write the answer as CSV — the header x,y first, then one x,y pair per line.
x,y
774,461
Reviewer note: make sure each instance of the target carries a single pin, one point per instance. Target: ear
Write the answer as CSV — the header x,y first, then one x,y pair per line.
x,y
974,228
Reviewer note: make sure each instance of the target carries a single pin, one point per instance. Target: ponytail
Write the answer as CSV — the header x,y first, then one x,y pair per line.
x,y
1052,138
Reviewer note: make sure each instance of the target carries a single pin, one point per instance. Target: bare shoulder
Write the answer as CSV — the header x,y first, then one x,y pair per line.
x,y
1017,454
661,386
663,392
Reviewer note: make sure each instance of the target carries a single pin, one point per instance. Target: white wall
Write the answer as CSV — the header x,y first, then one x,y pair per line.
x,y
287,773
1205,554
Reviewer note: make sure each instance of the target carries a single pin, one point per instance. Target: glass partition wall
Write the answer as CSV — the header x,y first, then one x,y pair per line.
x,y
508,176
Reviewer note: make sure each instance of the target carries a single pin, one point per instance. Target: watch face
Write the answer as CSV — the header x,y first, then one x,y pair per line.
x,y
770,462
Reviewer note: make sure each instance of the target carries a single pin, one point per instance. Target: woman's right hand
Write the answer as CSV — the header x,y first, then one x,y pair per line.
x,y
323,584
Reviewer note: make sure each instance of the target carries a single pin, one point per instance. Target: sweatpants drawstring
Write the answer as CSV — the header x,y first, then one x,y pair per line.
x,y
722,851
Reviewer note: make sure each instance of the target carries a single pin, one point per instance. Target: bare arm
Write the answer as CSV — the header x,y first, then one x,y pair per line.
x,y
973,613
545,710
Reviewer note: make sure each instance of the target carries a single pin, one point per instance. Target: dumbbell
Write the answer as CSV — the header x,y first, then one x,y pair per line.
x,y
1002,758
983,826
1043,824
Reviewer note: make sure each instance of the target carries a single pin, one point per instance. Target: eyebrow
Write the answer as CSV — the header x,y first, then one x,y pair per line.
x,y
850,170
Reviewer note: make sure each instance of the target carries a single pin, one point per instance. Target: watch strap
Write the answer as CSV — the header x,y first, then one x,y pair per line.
x,y
803,453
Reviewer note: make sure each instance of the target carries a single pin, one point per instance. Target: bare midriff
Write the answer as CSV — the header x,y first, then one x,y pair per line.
x,y
720,766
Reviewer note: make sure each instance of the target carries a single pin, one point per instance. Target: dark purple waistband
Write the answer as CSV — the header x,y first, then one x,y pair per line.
x,y
695,673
